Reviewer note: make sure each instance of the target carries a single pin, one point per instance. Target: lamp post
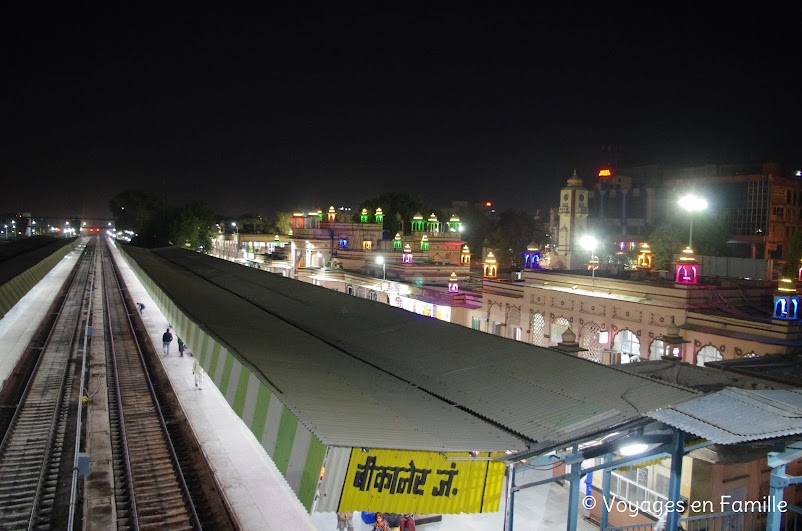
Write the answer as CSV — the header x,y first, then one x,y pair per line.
x,y
692,203
590,243
380,260
236,240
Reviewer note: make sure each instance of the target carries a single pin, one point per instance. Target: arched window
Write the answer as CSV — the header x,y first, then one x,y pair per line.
x,y
372,295
558,326
589,339
706,354
360,292
349,289
626,346
657,350
538,330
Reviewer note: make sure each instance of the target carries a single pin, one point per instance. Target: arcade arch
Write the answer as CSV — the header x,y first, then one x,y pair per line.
x,y
589,339
708,353
626,346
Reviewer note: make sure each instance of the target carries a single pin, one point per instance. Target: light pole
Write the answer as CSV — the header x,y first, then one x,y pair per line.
x,y
236,240
380,260
590,243
692,203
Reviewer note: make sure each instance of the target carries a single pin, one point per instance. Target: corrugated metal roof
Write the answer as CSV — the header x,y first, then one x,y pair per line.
x,y
736,415
361,373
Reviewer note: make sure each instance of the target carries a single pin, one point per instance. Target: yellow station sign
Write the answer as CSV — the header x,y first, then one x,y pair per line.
x,y
400,481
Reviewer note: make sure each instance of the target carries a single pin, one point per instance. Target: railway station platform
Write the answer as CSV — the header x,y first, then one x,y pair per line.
x,y
257,493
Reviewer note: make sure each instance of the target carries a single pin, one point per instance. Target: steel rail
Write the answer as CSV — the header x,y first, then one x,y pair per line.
x,y
118,282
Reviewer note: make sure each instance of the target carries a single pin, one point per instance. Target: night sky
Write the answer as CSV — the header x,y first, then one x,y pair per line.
x,y
276,109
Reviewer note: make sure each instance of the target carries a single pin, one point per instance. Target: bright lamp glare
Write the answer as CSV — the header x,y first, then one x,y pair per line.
x,y
633,449
380,260
588,242
692,203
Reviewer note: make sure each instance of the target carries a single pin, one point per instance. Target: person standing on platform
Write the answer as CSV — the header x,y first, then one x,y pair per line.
x,y
197,370
180,347
167,338
345,521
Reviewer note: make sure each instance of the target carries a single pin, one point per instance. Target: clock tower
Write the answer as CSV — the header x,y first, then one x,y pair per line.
x,y
573,214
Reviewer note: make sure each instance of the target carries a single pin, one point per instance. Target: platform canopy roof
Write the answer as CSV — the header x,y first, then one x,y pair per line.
x,y
361,373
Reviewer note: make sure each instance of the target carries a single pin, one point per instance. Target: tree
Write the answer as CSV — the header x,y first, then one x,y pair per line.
x,y
710,236
393,205
282,222
133,209
192,227
158,224
510,236
794,255
666,240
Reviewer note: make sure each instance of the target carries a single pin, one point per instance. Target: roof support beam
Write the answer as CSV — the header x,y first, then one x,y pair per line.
x,y
677,453
777,483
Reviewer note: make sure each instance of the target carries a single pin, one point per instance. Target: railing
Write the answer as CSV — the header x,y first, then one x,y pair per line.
x,y
792,519
629,491
729,521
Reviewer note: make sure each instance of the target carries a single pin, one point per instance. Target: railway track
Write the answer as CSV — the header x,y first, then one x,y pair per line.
x,y
161,479
160,474
35,448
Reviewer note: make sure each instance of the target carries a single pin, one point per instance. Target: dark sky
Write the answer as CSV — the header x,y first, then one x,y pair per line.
x,y
275,109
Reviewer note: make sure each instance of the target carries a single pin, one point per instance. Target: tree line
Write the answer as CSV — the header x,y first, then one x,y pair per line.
x,y
158,223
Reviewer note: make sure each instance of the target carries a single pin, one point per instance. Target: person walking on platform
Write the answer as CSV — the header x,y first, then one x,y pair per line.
x,y
141,307
345,521
197,370
167,338
180,347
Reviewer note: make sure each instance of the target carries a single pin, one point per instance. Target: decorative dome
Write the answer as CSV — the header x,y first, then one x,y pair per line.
x,y
417,216
673,329
787,285
433,218
364,211
331,210
569,336
532,247
407,248
465,249
687,256
490,258
454,219
453,277
574,181
424,238
397,236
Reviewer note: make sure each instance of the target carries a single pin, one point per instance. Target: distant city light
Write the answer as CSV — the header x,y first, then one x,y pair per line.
x,y
488,204
605,172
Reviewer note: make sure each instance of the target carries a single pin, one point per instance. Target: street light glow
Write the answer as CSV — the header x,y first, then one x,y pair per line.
x,y
692,203
590,243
